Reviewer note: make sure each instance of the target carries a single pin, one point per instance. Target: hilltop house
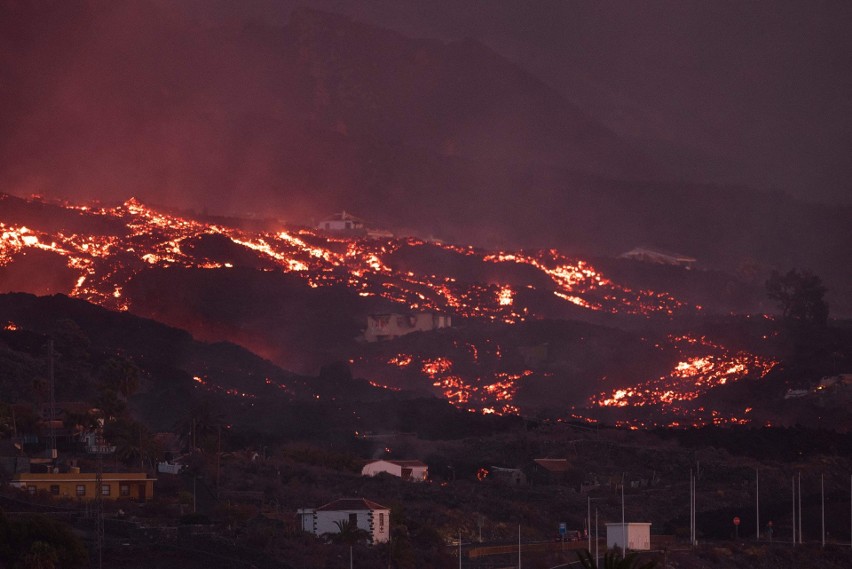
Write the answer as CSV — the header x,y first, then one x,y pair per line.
x,y
659,257
364,514
342,223
411,470
393,325
74,484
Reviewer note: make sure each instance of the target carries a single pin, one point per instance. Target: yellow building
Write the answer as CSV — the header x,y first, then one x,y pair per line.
x,y
115,485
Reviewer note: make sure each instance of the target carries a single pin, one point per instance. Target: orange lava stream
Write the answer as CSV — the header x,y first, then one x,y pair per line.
x,y
105,264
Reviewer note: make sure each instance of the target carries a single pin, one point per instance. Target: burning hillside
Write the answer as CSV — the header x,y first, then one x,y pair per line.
x,y
105,263
135,258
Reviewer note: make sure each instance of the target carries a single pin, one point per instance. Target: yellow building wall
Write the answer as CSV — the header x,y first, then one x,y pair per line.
x,y
127,486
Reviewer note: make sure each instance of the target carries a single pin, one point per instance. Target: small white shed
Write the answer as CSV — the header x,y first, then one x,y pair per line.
x,y
637,535
411,470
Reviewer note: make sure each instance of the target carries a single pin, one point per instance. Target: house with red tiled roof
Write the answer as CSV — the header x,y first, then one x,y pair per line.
x,y
411,470
360,512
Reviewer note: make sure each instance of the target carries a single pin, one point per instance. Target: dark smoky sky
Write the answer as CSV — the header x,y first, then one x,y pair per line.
x,y
753,93
110,98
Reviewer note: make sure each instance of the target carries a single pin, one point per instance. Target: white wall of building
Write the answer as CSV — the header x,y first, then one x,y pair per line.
x,y
375,522
418,472
638,536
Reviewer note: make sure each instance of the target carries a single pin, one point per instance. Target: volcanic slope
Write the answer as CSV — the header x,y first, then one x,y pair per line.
x,y
301,298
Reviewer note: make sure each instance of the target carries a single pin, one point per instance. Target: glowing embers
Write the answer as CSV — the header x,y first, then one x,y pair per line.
x,y
691,377
470,378
581,284
105,264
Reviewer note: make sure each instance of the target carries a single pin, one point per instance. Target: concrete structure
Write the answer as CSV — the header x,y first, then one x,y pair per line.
x,y
390,326
364,514
342,223
551,470
659,257
638,536
411,470
508,476
115,485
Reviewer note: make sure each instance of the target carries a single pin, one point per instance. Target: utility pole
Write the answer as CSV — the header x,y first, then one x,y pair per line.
x,y
597,543
793,484
589,520
519,546
52,411
822,496
99,510
623,532
757,499
800,507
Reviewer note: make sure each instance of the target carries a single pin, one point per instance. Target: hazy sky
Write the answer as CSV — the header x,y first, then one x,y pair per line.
x,y
752,93
758,93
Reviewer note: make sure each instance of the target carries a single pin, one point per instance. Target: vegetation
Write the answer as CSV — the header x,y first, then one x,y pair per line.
x,y
614,560
36,542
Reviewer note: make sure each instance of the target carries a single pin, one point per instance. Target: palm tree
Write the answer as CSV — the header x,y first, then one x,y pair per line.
x,y
614,560
348,533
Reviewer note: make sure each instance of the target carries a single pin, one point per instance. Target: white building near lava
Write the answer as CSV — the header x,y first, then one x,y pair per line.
x,y
412,470
364,514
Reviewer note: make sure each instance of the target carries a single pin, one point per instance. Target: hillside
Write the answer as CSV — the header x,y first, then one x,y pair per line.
x,y
425,137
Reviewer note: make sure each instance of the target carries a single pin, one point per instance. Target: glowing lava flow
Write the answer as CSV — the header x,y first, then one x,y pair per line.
x,y
105,264
475,379
690,378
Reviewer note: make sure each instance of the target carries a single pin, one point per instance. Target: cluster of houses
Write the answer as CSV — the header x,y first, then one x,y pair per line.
x,y
31,463
837,385
55,478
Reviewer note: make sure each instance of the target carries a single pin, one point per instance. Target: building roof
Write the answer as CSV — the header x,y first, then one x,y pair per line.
x,y
553,464
402,463
659,255
81,477
342,216
349,504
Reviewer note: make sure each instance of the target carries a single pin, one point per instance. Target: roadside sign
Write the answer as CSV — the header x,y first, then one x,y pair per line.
x,y
563,529
736,520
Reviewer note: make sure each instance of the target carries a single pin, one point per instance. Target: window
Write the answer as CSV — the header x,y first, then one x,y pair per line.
x,y
54,489
124,489
353,520
381,521
31,490
81,489
105,490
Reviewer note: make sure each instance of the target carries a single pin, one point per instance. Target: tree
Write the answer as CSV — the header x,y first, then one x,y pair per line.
x,y
133,443
799,294
347,533
120,375
34,541
614,560
804,312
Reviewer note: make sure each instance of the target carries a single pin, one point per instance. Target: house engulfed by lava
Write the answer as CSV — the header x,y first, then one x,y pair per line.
x,y
393,325
659,257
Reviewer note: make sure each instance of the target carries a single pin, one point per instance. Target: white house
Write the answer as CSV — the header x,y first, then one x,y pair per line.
x,y
341,223
412,470
658,256
638,535
390,326
365,514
